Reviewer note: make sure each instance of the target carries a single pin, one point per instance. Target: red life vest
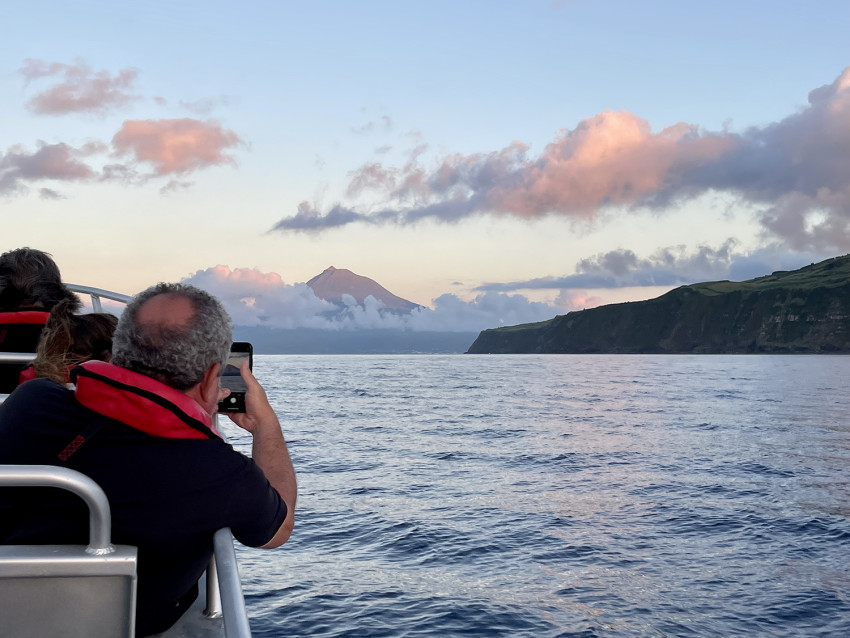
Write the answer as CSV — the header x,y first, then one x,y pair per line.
x,y
27,374
141,402
9,321
24,316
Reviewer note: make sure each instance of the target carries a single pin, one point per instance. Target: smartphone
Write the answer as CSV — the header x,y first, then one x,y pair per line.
x,y
232,379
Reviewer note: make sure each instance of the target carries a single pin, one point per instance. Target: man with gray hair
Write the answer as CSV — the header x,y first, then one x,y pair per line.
x,y
143,428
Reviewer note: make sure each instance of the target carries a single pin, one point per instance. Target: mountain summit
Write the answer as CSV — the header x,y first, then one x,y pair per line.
x,y
333,283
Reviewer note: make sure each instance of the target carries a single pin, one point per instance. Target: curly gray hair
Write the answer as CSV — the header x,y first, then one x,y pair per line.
x,y
179,356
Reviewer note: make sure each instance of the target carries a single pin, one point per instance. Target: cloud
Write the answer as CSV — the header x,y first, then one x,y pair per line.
x,y
205,106
140,150
81,90
50,161
487,310
622,268
254,298
170,147
576,300
307,218
175,185
671,266
667,266
794,170
49,193
384,123
175,145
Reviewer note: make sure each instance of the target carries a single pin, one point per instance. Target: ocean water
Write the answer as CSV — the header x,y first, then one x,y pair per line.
x,y
559,496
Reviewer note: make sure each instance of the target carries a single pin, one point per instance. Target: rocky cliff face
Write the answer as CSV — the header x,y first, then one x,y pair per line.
x,y
801,311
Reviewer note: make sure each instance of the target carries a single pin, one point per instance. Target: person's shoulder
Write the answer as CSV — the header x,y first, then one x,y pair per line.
x,y
39,401
225,461
220,448
41,388
38,394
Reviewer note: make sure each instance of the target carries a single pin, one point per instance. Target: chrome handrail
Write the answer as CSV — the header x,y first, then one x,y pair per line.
x,y
16,357
225,570
100,529
96,293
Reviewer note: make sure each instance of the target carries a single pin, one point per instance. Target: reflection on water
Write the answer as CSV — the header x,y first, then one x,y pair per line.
x,y
560,495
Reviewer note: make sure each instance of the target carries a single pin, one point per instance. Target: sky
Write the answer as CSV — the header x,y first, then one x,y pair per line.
x,y
495,161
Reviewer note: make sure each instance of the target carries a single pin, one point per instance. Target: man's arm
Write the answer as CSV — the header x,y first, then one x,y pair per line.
x,y
269,450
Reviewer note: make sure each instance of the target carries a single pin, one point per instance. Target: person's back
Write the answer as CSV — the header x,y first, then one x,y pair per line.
x,y
30,286
170,479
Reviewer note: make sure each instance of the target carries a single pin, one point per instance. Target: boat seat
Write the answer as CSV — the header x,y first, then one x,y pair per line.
x,y
74,591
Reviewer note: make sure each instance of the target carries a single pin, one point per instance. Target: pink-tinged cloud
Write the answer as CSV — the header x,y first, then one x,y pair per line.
x,y
794,170
610,159
80,90
175,145
255,298
50,162
570,300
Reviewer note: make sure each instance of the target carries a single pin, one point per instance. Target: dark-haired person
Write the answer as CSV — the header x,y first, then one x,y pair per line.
x,y
150,442
30,285
69,339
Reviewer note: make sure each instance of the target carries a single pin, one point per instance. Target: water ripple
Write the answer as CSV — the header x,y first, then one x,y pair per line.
x,y
548,496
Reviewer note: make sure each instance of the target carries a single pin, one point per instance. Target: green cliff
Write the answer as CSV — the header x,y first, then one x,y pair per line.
x,y
800,311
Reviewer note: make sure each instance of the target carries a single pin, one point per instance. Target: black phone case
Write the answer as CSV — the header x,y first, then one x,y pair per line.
x,y
235,401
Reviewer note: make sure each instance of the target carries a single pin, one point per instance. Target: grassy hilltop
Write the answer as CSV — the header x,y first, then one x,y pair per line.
x,y
799,311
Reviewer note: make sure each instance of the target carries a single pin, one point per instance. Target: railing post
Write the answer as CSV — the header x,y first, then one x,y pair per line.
x,y
232,600
213,609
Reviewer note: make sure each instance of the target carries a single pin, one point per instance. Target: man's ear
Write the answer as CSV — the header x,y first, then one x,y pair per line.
x,y
209,385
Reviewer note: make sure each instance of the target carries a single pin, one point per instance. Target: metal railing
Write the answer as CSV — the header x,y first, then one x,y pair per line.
x,y
95,294
224,587
100,528
67,589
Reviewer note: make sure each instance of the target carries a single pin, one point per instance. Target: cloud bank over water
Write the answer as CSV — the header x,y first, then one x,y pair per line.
x,y
667,267
254,298
793,171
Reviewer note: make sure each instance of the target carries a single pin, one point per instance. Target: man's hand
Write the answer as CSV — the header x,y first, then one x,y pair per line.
x,y
258,410
269,449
